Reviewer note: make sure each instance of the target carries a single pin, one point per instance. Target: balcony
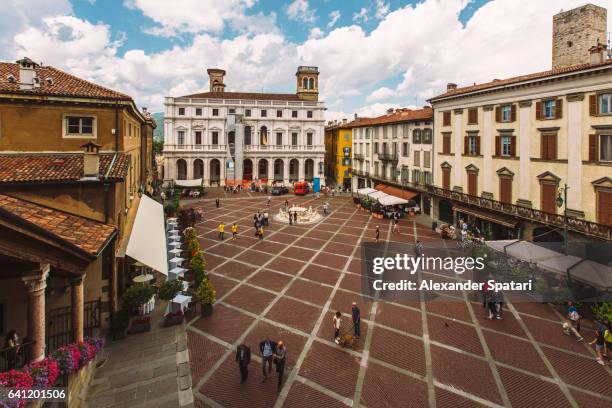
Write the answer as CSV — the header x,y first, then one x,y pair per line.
x,y
388,156
247,148
358,156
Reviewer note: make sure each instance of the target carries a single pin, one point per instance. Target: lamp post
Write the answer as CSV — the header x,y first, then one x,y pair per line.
x,y
562,202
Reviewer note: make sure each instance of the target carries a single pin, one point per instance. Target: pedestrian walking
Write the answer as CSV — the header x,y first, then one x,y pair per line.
x,y
600,344
267,349
499,304
286,204
269,201
377,234
243,358
280,358
418,248
290,219
217,202
356,319
221,231
234,231
574,316
608,339
337,322
295,217
261,233
395,225
265,218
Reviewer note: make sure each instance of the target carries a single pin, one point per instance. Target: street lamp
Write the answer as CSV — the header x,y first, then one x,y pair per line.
x,y
562,202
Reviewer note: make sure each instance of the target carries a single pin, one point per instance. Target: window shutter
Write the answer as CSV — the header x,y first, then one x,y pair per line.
x,y
478,146
513,146
593,148
498,113
466,145
513,112
538,110
593,105
497,145
558,108
543,146
552,147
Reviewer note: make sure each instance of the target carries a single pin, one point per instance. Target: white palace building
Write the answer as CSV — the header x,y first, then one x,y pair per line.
x,y
216,138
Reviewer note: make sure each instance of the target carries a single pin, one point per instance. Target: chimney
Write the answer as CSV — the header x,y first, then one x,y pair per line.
x,y
27,74
356,117
215,79
597,54
344,121
91,161
389,111
450,87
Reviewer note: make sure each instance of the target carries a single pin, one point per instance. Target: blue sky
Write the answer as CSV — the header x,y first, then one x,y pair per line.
x,y
372,54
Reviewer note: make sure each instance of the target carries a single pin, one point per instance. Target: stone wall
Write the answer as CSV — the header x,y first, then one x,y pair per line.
x,y
77,384
574,32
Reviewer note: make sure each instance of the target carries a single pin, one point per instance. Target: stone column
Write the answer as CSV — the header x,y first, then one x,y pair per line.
x,y
222,164
286,170
574,153
524,147
270,170
36,284
301,170
189,168
77,303
488,150
206,172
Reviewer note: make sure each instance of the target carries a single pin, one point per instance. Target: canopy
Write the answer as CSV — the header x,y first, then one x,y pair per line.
x,y
376,195
365,191
397,192
188,183
501,244
530,252
391,200
147,242
505,220
558,264
593,273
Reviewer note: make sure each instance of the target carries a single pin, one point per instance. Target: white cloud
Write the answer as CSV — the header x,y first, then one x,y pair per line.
x,y
190,16
361,16
381,93
382,9
315,33
299,10
333,18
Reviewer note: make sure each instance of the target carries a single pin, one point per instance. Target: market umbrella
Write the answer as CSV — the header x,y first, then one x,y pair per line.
x,y
177,259
175,251
143,278
176,244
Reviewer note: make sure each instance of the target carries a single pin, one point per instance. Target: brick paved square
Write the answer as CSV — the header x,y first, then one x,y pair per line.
x,y
587,400
250,299
398,350
551,333
352,282
226,249
348,239
286,265
270,247
383,387
300,254
303,396
294,314
504,349
332,368
327,227
399,318
309,291
224,323
320,274
354,265
455,334
310,243
454,309
464,372
320,234
447,399
535,309
237,270
527,391
293,342
213,261
343,302
222,285
254,258
268,279
339,248
203,354
282,238
326,331
507,325
331,261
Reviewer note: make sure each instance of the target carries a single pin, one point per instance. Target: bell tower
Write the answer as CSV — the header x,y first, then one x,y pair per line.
x,y
215,78
307,83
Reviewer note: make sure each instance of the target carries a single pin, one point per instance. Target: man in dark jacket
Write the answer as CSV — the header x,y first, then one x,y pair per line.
x,y
267,349
243,358
356,319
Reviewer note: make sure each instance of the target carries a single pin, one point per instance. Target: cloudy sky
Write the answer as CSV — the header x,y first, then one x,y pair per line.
x,y
372,54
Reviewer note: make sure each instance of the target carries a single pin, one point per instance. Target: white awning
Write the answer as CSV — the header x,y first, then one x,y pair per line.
x,y
188,183
593,273
366,191
377,194
148,240
391,200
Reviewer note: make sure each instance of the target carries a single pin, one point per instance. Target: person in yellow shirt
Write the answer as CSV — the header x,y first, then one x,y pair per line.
x,y
221,231
234,231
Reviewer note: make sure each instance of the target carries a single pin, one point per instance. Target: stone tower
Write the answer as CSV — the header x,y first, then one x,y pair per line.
x,y
575,32
215,78
307,83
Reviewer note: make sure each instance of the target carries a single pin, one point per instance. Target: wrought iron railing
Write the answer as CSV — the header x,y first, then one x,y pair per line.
x,y
15,357
388,156
358,156
59,324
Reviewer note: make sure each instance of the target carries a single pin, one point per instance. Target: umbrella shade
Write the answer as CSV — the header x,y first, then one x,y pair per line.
x,y
172,219
175,251
143,278
174,237
176,244
178,270
173,231
177,259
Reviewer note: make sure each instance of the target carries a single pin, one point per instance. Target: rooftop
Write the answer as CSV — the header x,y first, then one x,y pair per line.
x,y
245,95
54,82
58,167
397,116
518,79
88,235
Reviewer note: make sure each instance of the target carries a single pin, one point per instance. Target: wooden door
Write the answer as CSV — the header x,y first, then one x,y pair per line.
x,y
446,179
548,197
505,190
604,207
472,184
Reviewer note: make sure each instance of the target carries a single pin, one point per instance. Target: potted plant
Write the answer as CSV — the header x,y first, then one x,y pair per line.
x,y
136,296
206,295
121,321
169,289
140,324
173,318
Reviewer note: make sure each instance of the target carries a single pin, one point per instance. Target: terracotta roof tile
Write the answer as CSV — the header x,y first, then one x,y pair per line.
x,y
88,235
518,79
57,167
63,84
245,95
403,115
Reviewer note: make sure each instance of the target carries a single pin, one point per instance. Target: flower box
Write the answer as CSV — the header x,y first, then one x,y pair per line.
x,y
140,324
173,318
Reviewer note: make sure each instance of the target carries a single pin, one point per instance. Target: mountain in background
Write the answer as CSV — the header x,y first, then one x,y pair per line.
x,y
158,134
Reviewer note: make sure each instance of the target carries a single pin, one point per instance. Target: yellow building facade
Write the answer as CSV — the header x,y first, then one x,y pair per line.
x,y
338,145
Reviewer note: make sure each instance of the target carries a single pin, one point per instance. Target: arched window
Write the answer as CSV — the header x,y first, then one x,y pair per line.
x,y
305,83
311,84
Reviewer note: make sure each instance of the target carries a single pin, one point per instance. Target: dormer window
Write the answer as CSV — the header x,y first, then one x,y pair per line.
x,y
49,81
11,78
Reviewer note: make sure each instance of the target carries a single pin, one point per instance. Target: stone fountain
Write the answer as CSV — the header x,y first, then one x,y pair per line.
x,y
305,215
